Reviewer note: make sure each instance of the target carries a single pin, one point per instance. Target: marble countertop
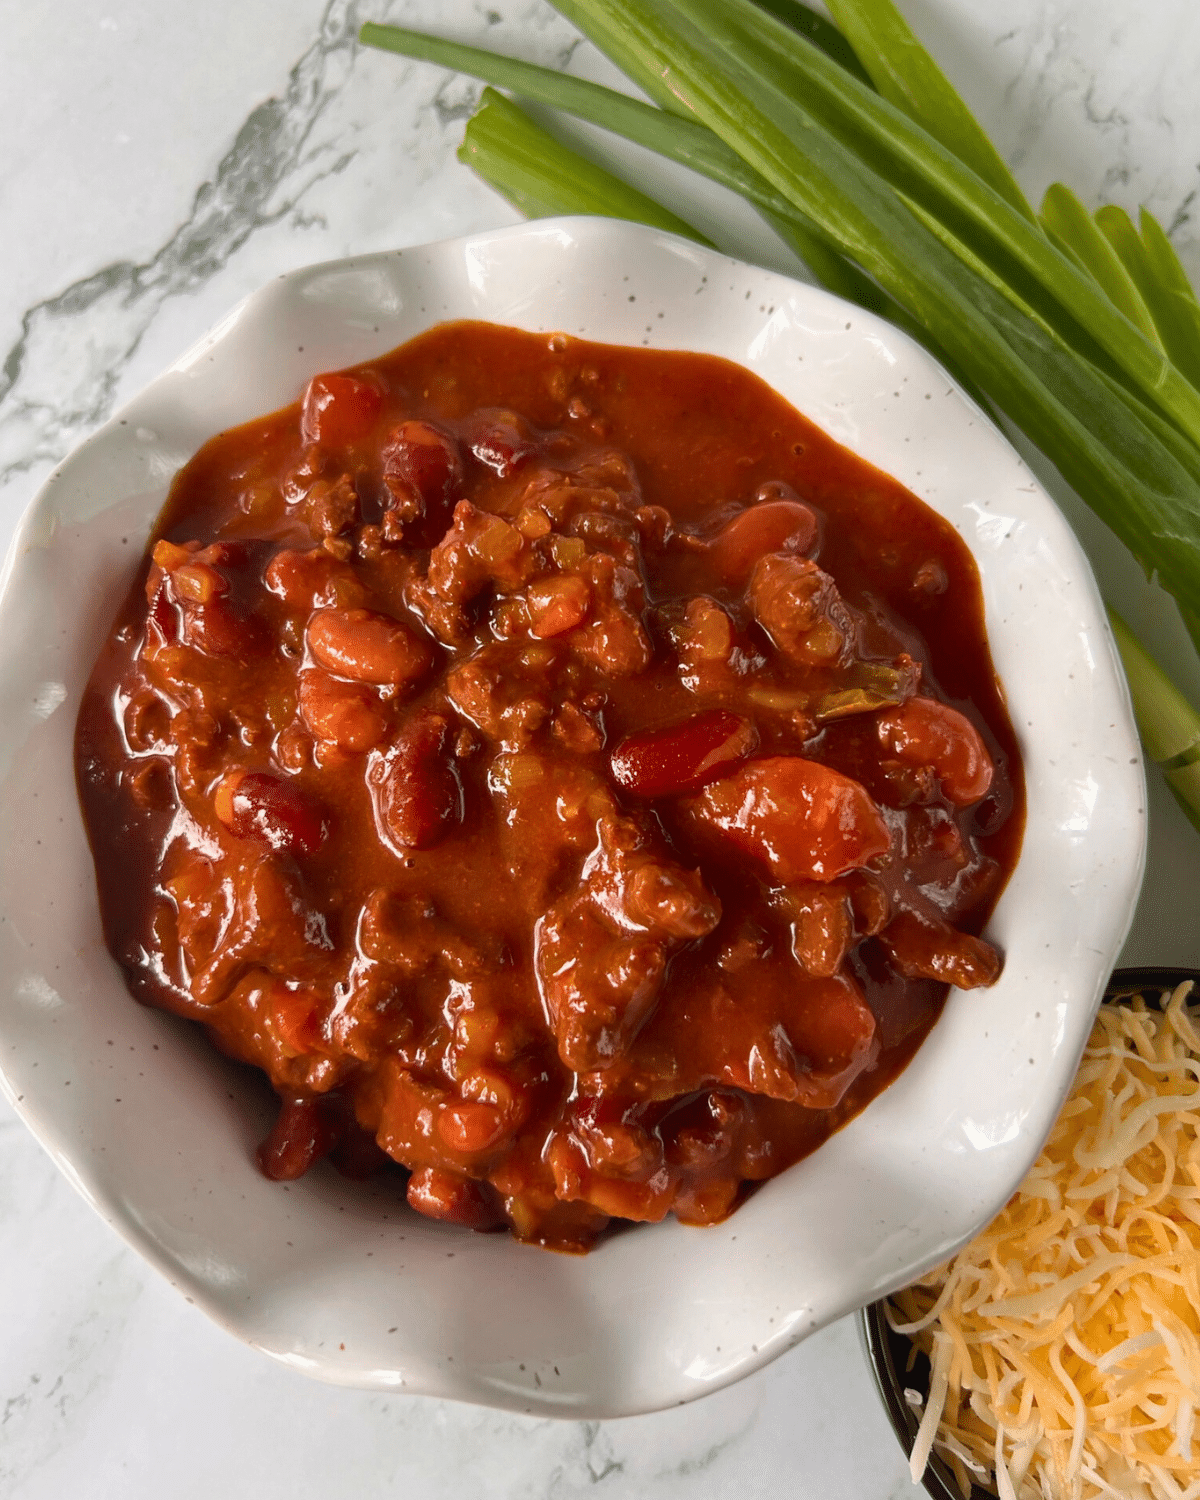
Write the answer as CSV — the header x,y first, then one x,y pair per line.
x,y
157,164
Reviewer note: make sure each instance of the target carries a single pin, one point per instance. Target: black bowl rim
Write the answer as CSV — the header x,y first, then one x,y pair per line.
x,y
938,1479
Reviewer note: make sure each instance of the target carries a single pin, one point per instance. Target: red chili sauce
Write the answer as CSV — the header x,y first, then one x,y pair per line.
x,y
561,765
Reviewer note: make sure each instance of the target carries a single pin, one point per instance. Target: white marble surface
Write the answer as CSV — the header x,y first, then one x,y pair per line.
x,y
156,163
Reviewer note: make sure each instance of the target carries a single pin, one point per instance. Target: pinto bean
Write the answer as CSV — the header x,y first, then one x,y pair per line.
x,y
414,784
453,1198
368,647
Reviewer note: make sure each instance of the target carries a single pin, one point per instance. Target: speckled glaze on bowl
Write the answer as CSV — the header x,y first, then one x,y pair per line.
x,y
339,1281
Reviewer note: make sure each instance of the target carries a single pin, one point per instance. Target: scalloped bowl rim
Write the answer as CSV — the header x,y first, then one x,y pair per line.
x,y
336,1281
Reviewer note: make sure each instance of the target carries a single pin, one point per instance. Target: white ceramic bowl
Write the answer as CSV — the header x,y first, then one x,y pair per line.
x,y
338,1280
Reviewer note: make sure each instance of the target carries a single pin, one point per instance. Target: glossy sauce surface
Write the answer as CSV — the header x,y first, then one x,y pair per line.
x,y
560,767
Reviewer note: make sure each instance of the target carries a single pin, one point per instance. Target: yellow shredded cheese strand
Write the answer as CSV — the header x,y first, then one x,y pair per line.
x,y
1065,1339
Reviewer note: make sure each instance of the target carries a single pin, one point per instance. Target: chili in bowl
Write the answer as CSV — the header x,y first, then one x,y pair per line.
x,y
571,774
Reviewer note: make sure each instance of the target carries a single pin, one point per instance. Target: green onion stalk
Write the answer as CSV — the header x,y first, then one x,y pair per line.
x,y
1082,329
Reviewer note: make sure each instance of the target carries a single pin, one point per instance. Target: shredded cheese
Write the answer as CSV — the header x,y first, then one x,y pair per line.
x,y
1065,1339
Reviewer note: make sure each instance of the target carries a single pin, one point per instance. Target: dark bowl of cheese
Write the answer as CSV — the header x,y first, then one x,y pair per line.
x,y
1057,1355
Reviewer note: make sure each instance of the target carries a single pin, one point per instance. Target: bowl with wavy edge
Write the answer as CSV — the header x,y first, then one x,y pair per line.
x,y
888,1353
337,1280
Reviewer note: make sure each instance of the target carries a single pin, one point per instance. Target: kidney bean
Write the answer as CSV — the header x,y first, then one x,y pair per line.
x,y
338,410
219,629
501,440
414,784
303,1133
348,715
367,647
255,805
683,757
926,733
769,526
453,1198
421,468
802,819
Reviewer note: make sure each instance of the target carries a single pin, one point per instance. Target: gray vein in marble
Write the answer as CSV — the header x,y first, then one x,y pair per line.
x,y
41,1413
95,326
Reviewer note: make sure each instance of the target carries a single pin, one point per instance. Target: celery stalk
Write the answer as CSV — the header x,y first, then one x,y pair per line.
x,y
1175,311
540,176
819,32
1070,225
1064,295
679,139
1168,724
1111,457
905,74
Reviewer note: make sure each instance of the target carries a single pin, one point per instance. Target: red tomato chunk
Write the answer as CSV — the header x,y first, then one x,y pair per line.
x,y
577,828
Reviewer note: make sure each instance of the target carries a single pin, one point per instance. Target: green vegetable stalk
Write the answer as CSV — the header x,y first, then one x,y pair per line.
x,y
856,148
1168,724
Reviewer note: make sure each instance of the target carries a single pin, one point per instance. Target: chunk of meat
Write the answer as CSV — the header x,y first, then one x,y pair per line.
x,y
346,714
799,607
332,506
614,639
924,733
928,948
480,549
801,819
598,988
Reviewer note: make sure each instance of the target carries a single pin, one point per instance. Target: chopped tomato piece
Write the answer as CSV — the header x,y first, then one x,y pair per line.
x,y
924,732
338,410
804,820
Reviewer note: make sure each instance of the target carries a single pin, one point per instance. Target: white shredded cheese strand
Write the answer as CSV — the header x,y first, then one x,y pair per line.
x,y
1065,1339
